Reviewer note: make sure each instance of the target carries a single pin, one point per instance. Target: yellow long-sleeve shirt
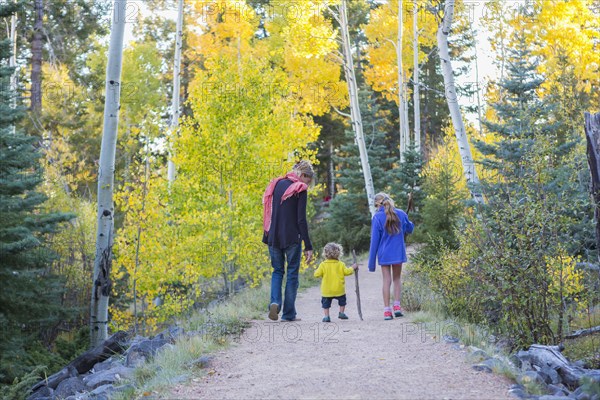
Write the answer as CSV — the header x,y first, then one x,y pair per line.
x,y
333,273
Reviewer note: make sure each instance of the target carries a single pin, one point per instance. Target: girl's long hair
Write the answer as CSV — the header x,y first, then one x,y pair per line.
x,y
392,222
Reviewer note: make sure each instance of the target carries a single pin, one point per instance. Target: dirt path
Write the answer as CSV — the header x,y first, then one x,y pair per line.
x,y
353,359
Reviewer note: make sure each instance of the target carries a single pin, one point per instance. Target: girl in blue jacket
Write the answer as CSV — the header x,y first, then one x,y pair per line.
x,y
388,227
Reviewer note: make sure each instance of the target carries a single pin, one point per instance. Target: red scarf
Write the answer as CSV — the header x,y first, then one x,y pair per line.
x,y
296,187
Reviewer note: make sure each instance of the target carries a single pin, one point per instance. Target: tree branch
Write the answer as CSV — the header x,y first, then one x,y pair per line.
x,y
583,332
343,114
393,43
334,14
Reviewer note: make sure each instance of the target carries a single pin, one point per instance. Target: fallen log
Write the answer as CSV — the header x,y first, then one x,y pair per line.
x,y
116,344
552,357
583,332
53,380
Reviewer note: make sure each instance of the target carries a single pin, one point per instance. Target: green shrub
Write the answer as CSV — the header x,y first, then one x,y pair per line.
x,y
511,271
20,387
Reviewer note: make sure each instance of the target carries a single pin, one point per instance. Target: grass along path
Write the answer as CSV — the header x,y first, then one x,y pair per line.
x,y
350,359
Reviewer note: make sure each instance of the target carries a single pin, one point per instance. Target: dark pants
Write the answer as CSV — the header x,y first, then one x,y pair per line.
x,y
326,301
278,256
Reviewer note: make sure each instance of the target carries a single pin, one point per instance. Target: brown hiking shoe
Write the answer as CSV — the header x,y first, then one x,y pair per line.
x,y
274,311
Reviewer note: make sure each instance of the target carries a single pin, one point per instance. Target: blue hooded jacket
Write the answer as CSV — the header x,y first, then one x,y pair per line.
x,y
389,249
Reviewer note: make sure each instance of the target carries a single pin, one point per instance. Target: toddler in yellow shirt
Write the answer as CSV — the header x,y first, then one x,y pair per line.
x,y
333,285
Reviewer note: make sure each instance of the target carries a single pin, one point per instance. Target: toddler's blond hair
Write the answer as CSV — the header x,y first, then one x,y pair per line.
x,y
333,251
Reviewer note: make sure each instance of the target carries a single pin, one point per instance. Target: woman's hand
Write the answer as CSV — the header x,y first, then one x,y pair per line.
x,y
308,254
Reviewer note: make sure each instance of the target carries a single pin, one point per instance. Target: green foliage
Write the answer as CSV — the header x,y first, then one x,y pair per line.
x,y
349,217
416,293
534,206
207,238
73,344
34,360
76,140
346,225
70,26
408,179
590,386
434,108
513,265
584,349
30,300
74,245
444,203
444,206
20,386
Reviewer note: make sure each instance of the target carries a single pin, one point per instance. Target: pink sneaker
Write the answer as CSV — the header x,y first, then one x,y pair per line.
x,y
387,315
398,312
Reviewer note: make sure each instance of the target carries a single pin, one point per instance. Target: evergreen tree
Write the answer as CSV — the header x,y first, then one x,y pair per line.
x,y
535,159
331,137
405,180
70,28
523,120
30,298
350,220
434,110
535,194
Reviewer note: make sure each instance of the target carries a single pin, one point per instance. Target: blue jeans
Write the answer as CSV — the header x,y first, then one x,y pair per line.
x,y
278,256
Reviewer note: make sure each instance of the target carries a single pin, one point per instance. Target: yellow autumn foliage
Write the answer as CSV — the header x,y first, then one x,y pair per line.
x,y
382,33
202,236
568,29
305,44
566,281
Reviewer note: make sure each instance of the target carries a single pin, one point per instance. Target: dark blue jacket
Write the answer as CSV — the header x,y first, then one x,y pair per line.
x,y
288,220
389,249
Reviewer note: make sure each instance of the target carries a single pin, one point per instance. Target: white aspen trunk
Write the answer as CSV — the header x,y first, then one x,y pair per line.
x,y
331,172
12,62
478,89
402,109
452,100
354,106
37,44
407,127
416,91
176,91
139,234
104,237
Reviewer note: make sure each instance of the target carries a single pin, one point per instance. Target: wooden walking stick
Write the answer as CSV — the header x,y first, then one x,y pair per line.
x,y
357,288
410,206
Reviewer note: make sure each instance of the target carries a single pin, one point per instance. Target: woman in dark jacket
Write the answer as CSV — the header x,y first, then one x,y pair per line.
x,y
285,228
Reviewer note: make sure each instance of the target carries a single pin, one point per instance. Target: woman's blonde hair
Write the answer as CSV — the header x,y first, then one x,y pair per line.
x,y
333,251
392,222
303,167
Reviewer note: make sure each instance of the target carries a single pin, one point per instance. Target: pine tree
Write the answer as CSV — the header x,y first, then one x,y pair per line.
x,y
407,180
445,201
30,299
523,120
350,218
434,110
536,157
